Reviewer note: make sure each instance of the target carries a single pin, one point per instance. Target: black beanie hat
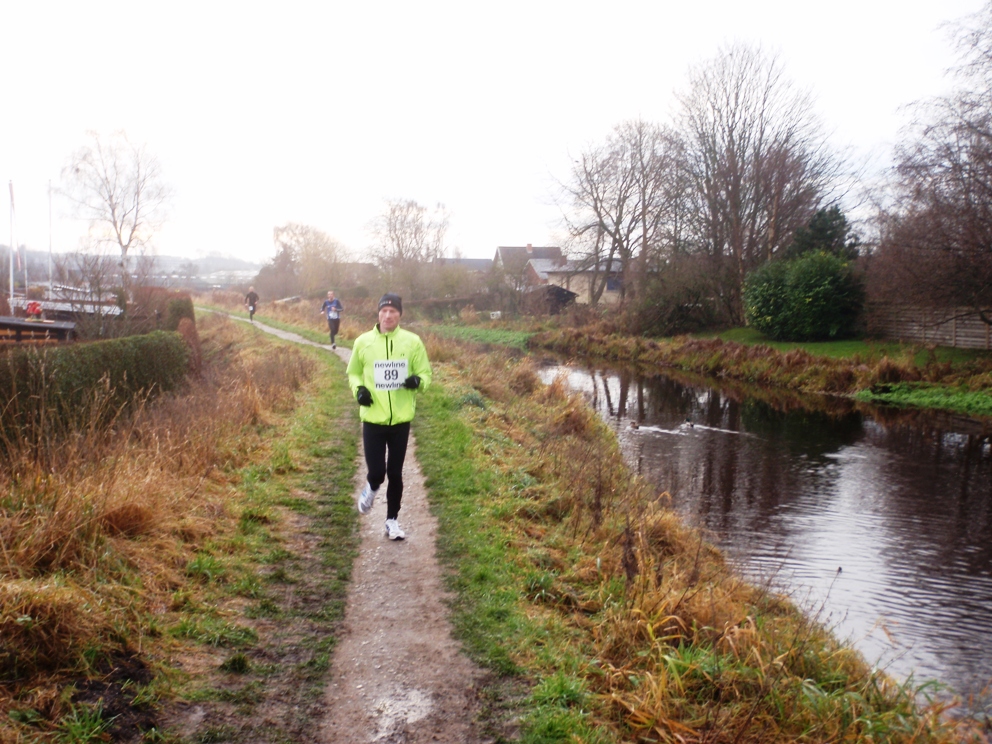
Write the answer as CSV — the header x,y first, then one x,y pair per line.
x,y
391,300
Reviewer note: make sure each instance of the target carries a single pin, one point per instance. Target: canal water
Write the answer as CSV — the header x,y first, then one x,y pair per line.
x,y
876,520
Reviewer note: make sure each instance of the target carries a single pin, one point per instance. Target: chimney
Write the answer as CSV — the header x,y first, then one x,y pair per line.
x,y
530,249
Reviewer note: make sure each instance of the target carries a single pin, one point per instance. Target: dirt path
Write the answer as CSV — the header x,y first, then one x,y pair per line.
x,y
397,674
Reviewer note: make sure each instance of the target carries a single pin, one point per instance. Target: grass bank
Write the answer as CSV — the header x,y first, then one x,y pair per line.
x,y
486,335
159,559
605,619
861,349
961,381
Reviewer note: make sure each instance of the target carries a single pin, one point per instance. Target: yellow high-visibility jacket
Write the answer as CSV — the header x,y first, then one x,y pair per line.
x,y
381,362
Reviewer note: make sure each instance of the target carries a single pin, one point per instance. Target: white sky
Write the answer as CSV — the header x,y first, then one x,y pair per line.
x,y
316,112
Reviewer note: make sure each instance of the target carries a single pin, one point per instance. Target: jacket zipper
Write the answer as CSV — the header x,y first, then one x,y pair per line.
x,y
389,393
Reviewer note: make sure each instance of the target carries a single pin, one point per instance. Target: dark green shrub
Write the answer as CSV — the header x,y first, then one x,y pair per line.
x,y
814,297
53,390
179,308
765,301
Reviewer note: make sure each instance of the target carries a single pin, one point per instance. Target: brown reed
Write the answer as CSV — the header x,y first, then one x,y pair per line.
x,y
96,534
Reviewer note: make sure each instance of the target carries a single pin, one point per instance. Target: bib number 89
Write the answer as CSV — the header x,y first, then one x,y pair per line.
x,y
389,375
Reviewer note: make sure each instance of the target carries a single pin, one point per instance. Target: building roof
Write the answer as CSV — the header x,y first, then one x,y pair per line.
x,y
515,257
582,267
542,266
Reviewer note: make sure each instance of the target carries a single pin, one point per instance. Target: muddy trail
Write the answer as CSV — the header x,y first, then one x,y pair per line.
x,y
397,674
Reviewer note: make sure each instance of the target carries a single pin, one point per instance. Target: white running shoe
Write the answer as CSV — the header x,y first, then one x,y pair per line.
x,y
393,531
366,498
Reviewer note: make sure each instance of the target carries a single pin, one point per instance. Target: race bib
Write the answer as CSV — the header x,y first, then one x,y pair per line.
x,y
389,375
332,314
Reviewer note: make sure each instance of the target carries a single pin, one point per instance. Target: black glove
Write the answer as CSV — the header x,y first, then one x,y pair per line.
x,y
364,397
412,382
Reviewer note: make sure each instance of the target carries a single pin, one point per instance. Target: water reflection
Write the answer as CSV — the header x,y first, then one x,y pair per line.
x,y
881,521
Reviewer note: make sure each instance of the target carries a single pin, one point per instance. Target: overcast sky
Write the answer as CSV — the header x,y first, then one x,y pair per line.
x,y
317,112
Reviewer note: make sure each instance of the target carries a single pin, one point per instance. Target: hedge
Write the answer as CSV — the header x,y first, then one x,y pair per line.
x,y
815,297
54,389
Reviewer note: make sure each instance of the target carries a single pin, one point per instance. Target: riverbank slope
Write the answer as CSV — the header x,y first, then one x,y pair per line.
x,y
868,373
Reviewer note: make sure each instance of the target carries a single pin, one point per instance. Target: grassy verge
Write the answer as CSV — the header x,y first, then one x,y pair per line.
x,y
969,402
292,549
483,335
161,559
862,350
604,618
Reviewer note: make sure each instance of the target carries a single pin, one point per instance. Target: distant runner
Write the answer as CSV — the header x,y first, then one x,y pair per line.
x,y
332,308
251,300
387,367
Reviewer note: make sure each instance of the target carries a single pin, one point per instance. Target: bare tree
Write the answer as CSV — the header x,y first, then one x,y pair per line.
x,y
936,243
117,187
758,159
407,239
87,282
619,204
600,191
316,256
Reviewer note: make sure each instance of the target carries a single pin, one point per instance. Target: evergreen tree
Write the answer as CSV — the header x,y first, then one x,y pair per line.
x,y
827,231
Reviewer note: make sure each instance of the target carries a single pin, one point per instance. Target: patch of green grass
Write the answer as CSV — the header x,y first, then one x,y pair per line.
x,y
266,607
486,615
276,555
249,694
236,664
482,335
214,632
248,586
560,690
970,402
488,575
25,715
316,667
204,567
551,725
84,723
849,348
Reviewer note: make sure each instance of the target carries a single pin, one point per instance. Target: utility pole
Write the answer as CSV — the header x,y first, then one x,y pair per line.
x,y
49,239
11,185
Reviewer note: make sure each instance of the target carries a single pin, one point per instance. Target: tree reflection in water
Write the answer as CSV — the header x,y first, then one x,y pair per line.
x,y
794,488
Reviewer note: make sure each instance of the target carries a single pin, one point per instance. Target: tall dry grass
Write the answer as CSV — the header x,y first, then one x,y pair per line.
x,y
797,369
684,649
96,535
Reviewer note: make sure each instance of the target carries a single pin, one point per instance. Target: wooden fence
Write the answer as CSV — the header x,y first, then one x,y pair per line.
x,y
960,327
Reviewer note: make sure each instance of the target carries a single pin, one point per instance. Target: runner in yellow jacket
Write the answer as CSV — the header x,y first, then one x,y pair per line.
x,y
388,366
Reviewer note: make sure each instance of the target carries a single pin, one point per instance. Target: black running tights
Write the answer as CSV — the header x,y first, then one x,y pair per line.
x,y
378,441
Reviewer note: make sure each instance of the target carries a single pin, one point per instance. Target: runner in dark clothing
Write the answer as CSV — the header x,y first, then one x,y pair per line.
x,y
332,308
251,300
388,366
